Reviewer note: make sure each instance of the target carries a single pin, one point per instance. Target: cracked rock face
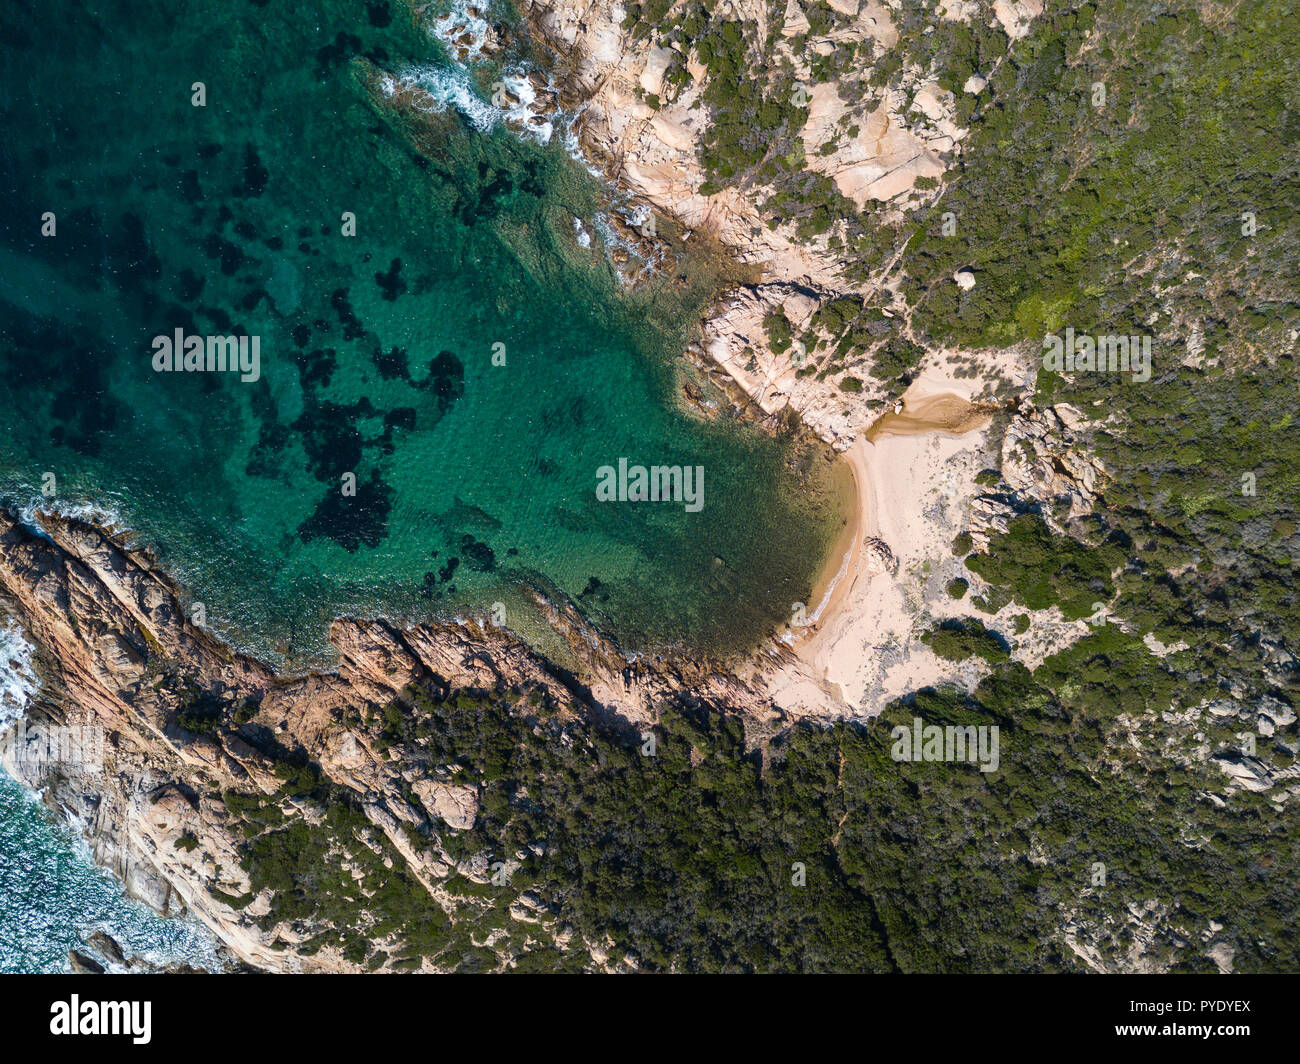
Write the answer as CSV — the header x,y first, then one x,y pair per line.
x,y
1043,459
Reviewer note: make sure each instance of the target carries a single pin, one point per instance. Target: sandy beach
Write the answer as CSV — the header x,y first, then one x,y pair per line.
x,y
910,471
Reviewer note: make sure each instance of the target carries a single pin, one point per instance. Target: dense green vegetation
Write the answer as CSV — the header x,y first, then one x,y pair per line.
x,y
1042,570
1126,212
818,852
199,711
1109,166
959,640
777,327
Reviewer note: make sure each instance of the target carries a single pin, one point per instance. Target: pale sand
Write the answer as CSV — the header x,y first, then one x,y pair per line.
x,y
858,650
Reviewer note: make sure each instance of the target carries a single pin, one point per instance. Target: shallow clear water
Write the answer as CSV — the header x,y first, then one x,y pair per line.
x,y
375,349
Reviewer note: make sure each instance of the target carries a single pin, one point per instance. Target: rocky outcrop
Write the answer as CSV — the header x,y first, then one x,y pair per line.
x,y
103,954
645,136
182,720
1045,461
903,139
1043,458
1246,771
735,339
1016,15
877,557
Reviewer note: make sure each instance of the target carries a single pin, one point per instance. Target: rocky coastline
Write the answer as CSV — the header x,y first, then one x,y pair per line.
x,y
184,720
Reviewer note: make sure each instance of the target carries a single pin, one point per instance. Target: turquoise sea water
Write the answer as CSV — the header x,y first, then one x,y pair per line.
x,y
375,349
376,356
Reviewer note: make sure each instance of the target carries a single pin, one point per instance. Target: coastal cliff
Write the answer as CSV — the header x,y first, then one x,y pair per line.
x,y
192,735
449,800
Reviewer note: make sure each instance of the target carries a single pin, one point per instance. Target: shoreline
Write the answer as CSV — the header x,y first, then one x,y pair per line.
x,y
122,654
840,571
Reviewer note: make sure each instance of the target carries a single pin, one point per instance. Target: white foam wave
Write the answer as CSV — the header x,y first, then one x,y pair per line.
x,y
18,680
105,515
464,30
462,27
434,89
526,111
